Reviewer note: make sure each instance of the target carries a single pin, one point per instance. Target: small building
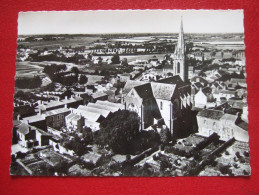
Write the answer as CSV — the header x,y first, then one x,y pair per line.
x,y
99,96
56,118
74,122
26,136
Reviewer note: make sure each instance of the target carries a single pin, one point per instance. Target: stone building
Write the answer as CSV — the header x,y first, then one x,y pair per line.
x,y
167,100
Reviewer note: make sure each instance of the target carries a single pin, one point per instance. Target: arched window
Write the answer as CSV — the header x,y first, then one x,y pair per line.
x,y
178,67
161,105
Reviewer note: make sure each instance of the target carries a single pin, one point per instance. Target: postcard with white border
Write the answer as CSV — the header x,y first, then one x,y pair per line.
x,y
130,93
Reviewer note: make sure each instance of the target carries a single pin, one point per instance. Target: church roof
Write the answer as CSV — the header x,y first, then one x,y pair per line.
x,y
162,90
144,91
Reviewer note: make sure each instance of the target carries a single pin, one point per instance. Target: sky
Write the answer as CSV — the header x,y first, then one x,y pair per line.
x,y
134,21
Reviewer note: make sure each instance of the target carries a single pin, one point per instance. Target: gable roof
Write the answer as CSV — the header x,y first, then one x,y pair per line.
x,y
163,91
144,91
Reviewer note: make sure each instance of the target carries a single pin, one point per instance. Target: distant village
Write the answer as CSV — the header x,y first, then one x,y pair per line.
x,y
128,106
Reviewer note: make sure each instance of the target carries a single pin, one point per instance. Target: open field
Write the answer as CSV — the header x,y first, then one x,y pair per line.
x,y
28,69
55,44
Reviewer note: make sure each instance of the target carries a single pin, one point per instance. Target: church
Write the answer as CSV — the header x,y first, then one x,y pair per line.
x,y
167,100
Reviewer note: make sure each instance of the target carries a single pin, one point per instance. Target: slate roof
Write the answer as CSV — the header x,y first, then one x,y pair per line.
x,y
163,91
212,114
144,91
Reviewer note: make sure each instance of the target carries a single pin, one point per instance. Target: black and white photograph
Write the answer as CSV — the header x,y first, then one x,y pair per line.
x,y
153,93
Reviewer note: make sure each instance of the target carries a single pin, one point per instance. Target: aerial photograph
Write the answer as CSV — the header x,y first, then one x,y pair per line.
x,y
154,93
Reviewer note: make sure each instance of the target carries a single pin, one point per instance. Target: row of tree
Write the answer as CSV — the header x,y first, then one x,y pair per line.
x,y
28,83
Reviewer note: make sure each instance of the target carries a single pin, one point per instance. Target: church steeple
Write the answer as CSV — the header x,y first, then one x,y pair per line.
x,y
179,66
179,50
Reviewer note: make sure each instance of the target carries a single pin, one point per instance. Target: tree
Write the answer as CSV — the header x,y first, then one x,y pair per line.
x,y
118,130
83,79
115,59
75,70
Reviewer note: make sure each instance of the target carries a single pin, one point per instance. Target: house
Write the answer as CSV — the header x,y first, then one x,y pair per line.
x,y
29,136
56,118
99,96
74,122
38,121
225,125
42,137
26,136
124,77
227,94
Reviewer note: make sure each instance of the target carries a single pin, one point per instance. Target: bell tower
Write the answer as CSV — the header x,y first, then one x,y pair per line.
x,y
179,56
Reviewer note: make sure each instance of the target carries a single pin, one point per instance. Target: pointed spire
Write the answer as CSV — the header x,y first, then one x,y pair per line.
x,y
179,50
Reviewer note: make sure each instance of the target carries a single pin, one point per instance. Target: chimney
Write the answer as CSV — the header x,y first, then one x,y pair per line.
x,y
18,117
65,105
58,99
65,97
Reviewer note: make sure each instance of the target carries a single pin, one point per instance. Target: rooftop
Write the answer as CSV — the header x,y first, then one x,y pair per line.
x,y
211,114
57,111
162,90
